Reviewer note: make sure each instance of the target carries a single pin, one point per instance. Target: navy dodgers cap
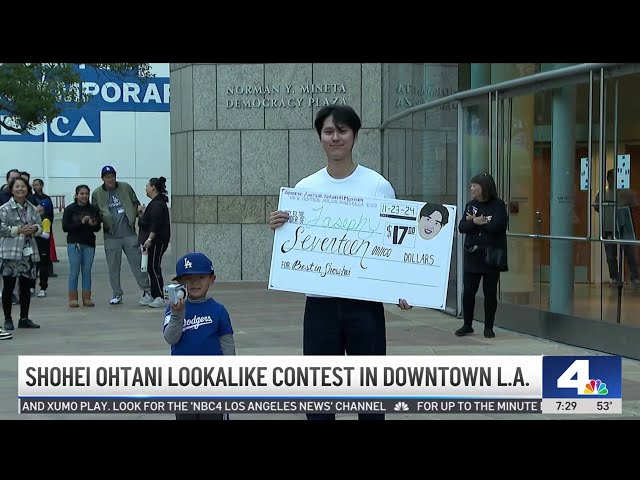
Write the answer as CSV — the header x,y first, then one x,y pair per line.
x,y
107,169
193,264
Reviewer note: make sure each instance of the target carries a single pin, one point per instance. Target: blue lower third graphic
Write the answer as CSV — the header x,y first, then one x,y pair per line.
x,y
582,377
80,126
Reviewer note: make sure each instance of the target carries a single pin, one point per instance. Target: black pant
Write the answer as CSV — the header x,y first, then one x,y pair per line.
x,y
335,326
24,284
156,251
471,282
202,416
43,267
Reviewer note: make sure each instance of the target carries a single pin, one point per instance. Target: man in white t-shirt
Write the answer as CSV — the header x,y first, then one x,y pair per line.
x,y
335,326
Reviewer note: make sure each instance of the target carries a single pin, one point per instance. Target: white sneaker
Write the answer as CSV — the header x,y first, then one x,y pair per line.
x,y
42,294
146,299
158,302
115,300
4,335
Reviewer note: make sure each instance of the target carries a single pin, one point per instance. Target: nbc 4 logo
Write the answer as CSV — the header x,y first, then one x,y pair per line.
x,y
578,377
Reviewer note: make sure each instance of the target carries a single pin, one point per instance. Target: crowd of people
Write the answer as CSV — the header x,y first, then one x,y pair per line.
x,y
196,324
27,247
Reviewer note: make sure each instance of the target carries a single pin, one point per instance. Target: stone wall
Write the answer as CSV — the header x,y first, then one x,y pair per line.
x,y
241,132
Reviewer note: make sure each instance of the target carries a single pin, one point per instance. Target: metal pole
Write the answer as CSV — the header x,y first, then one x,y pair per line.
x,y
45,154
460,202
619,248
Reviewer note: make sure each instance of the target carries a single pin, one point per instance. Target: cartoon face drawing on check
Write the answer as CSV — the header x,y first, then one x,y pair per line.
x,y
433,217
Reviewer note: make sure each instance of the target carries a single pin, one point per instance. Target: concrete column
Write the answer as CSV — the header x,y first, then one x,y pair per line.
x,y
478,124
438,136
563,171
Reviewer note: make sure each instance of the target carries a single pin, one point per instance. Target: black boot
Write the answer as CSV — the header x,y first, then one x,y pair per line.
x,y
464,330
8,324
488,330
27,323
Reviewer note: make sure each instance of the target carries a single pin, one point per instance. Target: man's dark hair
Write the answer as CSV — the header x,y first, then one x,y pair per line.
x,y
488,185
610,176
343,115
10,172
160,185
429,208
37,180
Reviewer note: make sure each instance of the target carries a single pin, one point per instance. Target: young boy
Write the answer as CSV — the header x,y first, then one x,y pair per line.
x,y
198,325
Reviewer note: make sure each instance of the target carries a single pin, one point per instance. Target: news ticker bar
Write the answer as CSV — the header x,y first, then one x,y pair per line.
x,y
279,405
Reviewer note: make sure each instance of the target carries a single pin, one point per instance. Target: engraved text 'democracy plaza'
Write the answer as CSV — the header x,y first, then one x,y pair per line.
x,y
376,249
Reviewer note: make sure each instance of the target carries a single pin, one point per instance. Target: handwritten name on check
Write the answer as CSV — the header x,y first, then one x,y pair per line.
x,y
363,248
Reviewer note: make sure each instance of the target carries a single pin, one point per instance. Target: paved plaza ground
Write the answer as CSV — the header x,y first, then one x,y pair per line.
x,y
266,323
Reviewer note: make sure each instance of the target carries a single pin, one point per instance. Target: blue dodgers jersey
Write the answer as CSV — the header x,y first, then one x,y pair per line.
x,y
204,324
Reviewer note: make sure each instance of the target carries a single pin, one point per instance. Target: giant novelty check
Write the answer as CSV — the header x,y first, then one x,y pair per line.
x,y
363,248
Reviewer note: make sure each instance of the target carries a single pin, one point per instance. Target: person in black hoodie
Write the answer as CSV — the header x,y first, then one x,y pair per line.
x,y
81,220
485,227
38,186
154,235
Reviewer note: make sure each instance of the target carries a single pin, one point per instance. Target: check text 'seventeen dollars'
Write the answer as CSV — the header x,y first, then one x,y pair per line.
x,y
363,248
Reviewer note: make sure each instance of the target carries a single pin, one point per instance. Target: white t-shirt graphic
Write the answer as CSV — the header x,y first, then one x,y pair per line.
x,y
363,181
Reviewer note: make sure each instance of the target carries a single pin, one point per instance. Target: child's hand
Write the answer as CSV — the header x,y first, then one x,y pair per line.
x,y
177,307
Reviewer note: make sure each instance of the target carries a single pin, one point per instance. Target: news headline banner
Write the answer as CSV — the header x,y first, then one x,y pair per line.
x,y
363,248
330,384
96,379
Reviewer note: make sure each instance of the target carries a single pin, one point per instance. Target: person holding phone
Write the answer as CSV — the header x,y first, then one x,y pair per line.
x,y
81,221
484,226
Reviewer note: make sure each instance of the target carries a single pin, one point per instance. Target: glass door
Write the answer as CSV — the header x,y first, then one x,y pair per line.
x,y
546,152
620,282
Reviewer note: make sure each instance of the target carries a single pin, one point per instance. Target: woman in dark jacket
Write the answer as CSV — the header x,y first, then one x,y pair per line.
x,y
81,220
154,235
485,251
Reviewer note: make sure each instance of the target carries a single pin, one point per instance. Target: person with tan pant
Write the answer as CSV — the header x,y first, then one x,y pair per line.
x,y
81,221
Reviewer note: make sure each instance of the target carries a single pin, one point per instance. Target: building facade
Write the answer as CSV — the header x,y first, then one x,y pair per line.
x,y
241,132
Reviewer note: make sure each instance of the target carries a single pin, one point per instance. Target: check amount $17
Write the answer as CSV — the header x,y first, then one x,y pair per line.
x,y
400,234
